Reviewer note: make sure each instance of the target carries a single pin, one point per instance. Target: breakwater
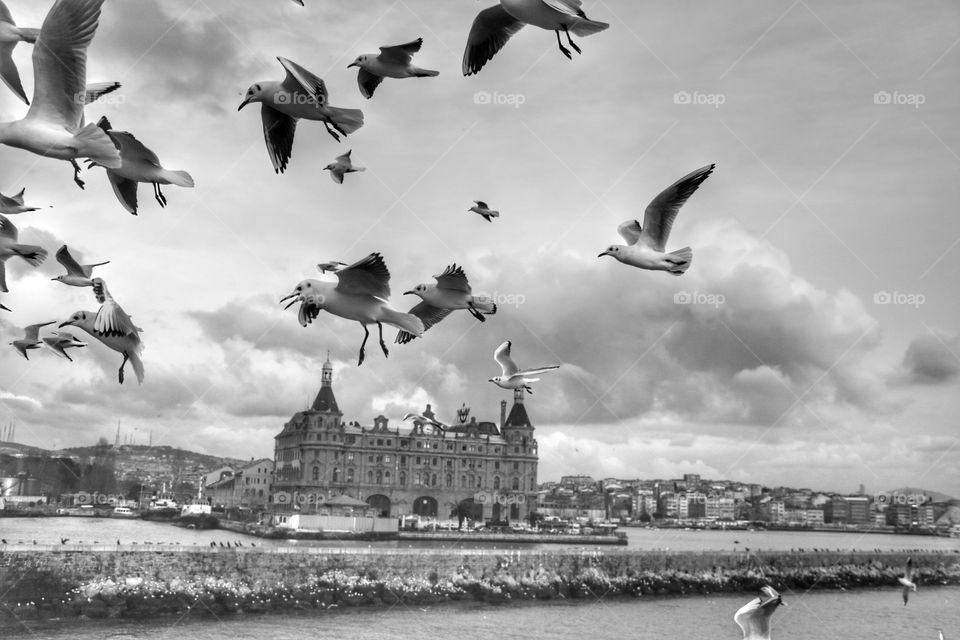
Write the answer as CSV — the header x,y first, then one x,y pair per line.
x,y
100,581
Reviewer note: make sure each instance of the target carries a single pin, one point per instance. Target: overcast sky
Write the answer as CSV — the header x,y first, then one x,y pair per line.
x,y
835,134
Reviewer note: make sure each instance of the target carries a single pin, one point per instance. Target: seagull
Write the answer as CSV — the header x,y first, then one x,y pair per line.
x,y
392,62
54,126
138,164
451,292
60,341
485,211
423,420
645,248
113,327
10,35
907,581
360,294
78,275
494,26
14,204
342,166
31,338
10,247
333,265
300,95
512,377
754,617
97,90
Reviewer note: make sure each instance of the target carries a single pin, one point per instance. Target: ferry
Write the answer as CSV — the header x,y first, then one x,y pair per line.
x,y
124,512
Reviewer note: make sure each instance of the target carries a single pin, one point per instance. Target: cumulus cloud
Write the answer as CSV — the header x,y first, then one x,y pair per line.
x,y
932,359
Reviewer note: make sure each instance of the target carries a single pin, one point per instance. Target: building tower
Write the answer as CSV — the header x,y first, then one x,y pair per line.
x,y
522,479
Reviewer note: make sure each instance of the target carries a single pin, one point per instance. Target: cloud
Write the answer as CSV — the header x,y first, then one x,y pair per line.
x,y
932,359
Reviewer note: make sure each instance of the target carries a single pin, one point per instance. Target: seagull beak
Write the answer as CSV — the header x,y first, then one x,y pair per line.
x,y
4,308
600,255
243,104
352,64
406,293
64,324
490,380
292,302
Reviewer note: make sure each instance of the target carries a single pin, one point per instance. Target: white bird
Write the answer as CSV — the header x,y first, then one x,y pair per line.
x,y
332,265
138,164
54,126
512,377
300,95
907,581
9,247
451,292
754,617
645,245
10,35
30,339
113,327
392,62
78,275
341,166
494,26
60,341
425,421
14,204
360,294
481,207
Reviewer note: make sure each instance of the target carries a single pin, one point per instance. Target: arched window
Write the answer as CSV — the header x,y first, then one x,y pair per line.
x,y
403,478
516,484
369,476
449,481
416,479
496,482
379,478
386,477
316,474
433,480
349,475
336,474
463,481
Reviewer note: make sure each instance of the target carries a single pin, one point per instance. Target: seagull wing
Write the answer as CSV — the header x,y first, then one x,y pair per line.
x,y
18,198
278,131
630,231
368,82
662,210
502,356
401,53
533,372
428,314
299,79
32,332
453,278
3,279
8,70
8,229
569,7
490,31
60,62
336,175
97,90
70,264
125,190
908,570
366,277
8,202
111,319
133,149
481,204
5,14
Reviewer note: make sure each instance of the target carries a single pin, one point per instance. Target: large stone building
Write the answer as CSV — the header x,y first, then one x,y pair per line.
x,y
482,470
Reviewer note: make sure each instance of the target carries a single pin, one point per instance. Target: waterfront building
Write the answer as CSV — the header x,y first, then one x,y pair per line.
x,y
477,469
247,486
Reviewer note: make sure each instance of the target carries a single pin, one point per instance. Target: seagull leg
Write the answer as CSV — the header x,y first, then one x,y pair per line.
x,y
162,199
563,49
68,356
337,127
382,345
122,364
366,334
572,43
529,390
331,131
76,173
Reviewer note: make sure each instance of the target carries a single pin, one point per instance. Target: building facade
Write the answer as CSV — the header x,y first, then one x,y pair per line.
x,y
479,470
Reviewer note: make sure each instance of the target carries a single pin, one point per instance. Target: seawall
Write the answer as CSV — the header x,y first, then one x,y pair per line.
x,y
104,581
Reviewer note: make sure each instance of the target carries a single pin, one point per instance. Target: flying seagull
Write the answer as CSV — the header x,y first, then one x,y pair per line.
x,y
14,204
451,292
10,35
138,164
54,126
481,207
9,247
754,617
342,166
113,327
78,275
30,339
332,265
299,95
60,341
645,245
907,581
425,421
512,377
392,62
494,26
360,294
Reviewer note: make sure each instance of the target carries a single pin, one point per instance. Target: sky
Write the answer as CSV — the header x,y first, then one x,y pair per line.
x,y
812,343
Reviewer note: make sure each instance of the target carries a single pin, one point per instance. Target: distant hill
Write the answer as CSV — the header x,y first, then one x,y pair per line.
x,y
162,452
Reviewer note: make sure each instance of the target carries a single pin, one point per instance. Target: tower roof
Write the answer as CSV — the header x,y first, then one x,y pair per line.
x,y
518,414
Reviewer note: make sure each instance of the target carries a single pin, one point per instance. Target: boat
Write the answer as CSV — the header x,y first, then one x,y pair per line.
x,y
124,512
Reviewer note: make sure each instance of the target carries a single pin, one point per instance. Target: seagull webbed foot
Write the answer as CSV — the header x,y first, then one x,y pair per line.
x,y
383,346
76,174
332,132
569,40
158,194
563,49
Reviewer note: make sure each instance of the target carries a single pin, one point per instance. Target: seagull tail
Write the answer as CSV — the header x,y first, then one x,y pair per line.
x,y
586,27
403,337
404,321
348,120
95,144
137,365
179,178
484,305
424,73
28,35
31,253
679,260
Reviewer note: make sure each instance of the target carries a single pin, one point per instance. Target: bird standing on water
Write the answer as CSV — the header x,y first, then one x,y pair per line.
x,y
392,62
